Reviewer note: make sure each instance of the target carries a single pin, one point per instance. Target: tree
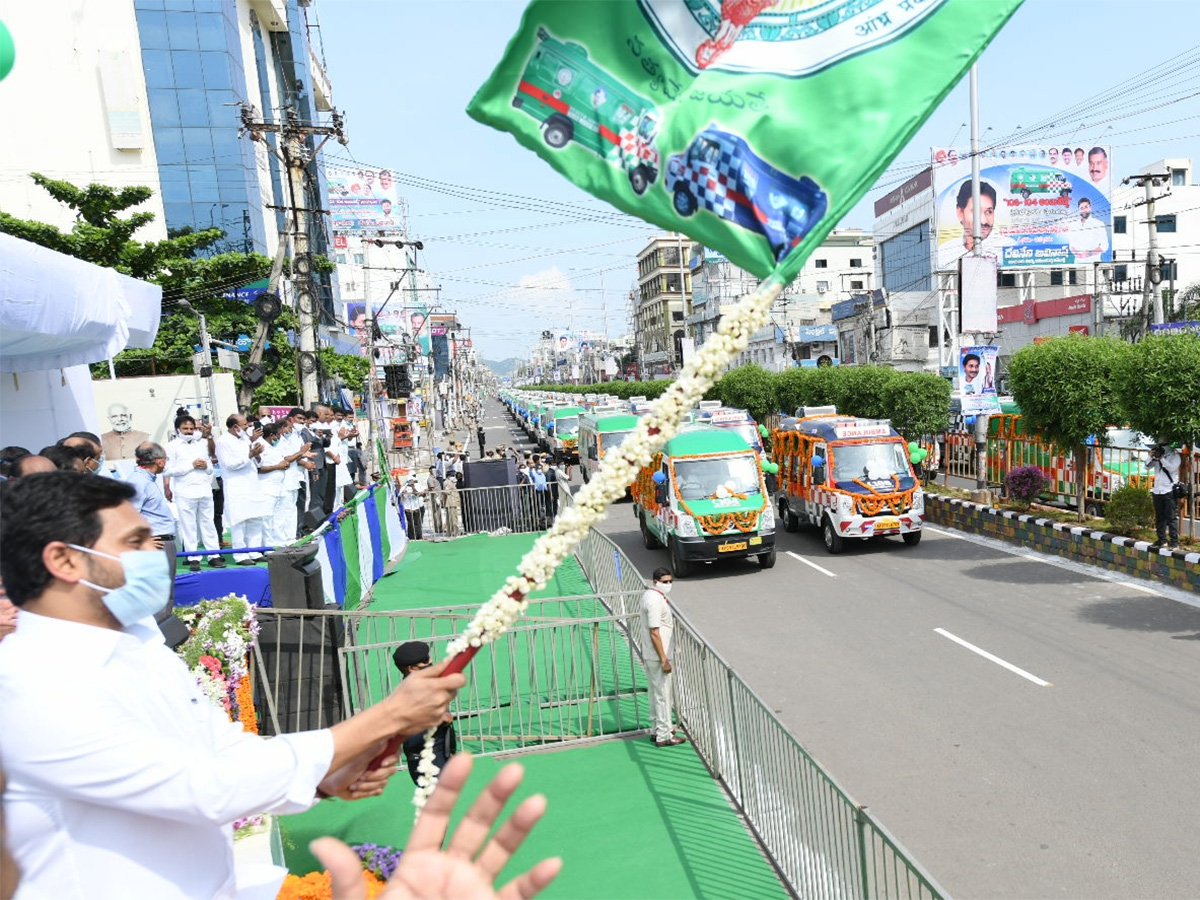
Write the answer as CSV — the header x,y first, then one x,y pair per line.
x,y
1156,383
1064,387
918,403
751,388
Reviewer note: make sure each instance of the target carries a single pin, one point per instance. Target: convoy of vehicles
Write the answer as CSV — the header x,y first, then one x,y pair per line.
x,y
851,478
703,498
711,412
576,100
600,430
563,437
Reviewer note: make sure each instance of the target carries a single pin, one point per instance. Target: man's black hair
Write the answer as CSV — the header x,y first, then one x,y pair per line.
x,y
660,573
87,435
232,420
64,457
148,453
1081,200
964,193
296,411
54,506
971,356
270,430
179,420
8,456
1096,150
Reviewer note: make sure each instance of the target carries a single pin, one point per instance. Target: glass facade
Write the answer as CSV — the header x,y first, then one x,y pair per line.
x,y
192,56
905,261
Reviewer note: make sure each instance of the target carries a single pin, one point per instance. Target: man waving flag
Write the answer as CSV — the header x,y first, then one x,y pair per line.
x,y
751,125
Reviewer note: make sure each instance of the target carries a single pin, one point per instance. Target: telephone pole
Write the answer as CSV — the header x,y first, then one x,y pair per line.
x,y
1152,308
295,155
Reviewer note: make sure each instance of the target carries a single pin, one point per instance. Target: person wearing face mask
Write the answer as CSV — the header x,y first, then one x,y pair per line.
x,y
190,473
279,524
238,450
123,777
658,627
151,503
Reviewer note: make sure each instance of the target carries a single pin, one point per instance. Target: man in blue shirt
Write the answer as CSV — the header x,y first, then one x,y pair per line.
x,y
149,500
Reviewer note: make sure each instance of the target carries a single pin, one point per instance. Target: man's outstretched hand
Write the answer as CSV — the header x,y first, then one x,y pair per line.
x,y
465,868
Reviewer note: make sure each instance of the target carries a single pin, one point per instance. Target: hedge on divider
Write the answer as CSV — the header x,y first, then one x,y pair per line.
x,y
917,403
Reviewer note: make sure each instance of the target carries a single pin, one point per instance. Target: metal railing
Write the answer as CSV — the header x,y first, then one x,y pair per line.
x,y
822,842
565,672
515,509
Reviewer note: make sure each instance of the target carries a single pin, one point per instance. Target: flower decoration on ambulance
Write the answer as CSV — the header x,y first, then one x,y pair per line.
x,y
618,468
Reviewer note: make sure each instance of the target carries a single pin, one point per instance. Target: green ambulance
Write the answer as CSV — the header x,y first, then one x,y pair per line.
x,y
574,99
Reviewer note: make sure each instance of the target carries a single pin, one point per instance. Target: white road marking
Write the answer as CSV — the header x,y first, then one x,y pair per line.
x,y
810,563
997,660
950,534
1136,587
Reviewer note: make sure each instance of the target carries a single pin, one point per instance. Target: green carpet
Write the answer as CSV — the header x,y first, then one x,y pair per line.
x,y
628,819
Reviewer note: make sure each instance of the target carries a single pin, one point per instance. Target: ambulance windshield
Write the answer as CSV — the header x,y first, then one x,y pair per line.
x,y
611,439
566,425
869,462
723,476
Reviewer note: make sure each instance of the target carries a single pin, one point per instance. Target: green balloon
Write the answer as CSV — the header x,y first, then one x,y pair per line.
x,y
8,51
762,430
913,446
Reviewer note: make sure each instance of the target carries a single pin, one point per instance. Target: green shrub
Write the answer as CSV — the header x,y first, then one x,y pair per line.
x,y
1129,509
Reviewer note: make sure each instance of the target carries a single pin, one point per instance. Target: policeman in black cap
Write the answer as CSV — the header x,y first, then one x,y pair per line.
x,y
409,657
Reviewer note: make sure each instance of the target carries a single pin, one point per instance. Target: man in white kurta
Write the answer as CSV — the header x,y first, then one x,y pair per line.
x,y
245,503
123,778
290,444
189,468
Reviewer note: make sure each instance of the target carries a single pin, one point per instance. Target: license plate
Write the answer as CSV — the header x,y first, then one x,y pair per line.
x,y
729,548
754,541
890,524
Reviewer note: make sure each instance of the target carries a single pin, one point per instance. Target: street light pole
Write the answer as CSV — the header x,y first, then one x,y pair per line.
x,y
206,370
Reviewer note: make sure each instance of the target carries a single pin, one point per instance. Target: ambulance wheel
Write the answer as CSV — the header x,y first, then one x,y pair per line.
x,y
649,541
685,203
557,134
679,566
833,540
912,538
1025,193
791,522
1094,508
585,472
767,560
638,181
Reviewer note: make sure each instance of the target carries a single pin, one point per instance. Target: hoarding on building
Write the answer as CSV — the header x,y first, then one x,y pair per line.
x,y
362,199
1040,206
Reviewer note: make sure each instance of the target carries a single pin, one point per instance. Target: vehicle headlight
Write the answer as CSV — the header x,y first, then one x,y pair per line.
x,y
686,527
918,501
845,505
766,522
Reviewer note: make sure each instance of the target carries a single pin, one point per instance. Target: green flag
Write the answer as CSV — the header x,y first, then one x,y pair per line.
x,y
751,125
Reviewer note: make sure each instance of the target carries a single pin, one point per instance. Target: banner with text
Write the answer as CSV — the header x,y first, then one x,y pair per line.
x,y
1039,206
362,199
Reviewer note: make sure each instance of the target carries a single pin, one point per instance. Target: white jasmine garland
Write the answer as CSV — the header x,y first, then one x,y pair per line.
x,y
617,469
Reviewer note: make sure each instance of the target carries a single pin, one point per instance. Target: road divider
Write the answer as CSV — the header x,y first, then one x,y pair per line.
x,y
993,658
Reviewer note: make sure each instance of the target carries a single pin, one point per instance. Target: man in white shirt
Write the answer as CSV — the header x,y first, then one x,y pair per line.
x,y
293,446
245,504
657,632
189,476
1166,464
1087,238
279,524
123,778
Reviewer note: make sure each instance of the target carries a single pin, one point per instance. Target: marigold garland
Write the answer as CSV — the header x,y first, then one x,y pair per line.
x,y
319,886
244,696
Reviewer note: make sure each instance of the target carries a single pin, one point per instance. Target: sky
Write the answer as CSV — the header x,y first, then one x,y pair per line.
x,y
518,249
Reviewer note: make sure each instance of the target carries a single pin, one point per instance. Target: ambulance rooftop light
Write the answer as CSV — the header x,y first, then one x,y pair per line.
x,y
637,399
709,404
805,411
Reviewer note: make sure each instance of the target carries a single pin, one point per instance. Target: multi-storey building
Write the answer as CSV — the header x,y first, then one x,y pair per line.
x,y
661,306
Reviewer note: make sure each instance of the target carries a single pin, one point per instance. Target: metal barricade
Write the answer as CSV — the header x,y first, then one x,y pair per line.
x,y
508,509
822,842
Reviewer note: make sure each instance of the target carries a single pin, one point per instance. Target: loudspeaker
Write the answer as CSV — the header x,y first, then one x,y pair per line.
x,y
295,575
300,655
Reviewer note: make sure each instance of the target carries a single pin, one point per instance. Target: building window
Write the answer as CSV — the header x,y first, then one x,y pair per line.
x,y
1179,178
359,259
1068,276
1056,276
856,285
676,316
1120,273
821,263
856,263
1169,272
341,258
933,335
1165,224
1119,224
1006,279
822,286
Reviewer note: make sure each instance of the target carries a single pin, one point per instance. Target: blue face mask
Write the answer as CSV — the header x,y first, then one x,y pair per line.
x,y
147,584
